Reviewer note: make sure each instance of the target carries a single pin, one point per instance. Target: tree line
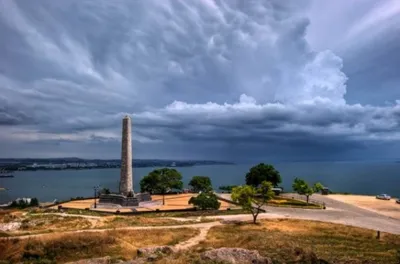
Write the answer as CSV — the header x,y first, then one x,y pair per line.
x,y
258,190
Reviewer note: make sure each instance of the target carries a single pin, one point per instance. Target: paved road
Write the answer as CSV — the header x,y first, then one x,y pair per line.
x,y
336,212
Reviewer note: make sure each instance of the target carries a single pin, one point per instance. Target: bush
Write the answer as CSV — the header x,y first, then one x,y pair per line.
x,y
205,201
105,191
34,202
22,204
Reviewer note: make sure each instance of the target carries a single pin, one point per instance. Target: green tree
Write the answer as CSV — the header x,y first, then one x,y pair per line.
x,y
200,184
205,201
34,202
301,187
251,198
161,181
263,172
105,191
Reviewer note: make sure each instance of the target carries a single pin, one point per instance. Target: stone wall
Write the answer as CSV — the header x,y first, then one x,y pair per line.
x,y
118,199
123,200
143,197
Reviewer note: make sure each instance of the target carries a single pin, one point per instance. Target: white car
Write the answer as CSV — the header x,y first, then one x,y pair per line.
x,y
398,201
383,197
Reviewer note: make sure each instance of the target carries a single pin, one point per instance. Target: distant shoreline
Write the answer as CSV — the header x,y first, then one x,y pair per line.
x,y
20,167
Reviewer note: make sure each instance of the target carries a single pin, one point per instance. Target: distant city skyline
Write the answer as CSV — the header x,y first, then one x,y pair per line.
x,y
268,80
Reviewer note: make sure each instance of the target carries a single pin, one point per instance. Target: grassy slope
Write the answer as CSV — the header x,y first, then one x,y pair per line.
x,y
279,239
63,248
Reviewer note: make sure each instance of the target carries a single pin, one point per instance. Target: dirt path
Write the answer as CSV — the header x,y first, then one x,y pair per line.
x,y
196,239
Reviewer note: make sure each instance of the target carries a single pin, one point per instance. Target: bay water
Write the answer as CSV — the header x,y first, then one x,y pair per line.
x,y
355,177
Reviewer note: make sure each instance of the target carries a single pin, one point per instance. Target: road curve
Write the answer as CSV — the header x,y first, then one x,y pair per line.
x,y
336,212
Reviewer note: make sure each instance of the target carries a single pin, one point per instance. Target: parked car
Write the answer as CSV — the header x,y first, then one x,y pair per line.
x,y
383,197
398,201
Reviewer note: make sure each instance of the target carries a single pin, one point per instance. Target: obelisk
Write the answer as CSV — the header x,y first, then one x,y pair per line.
x,y
125,184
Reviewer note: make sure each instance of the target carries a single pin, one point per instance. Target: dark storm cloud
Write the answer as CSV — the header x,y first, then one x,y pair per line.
x,y
200,79
10,114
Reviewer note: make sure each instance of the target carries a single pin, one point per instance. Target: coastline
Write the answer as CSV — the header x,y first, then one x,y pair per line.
x,y
184,165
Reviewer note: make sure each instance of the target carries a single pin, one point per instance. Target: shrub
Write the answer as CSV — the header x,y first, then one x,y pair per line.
x,y
205,201
34,202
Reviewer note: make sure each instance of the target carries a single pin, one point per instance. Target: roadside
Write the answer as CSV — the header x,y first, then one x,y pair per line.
x,y
389,208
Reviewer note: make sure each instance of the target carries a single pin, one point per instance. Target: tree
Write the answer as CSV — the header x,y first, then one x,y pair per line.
x,y
205,201
34,202
251,198
161,181
263,172
201,184
301,187
105,191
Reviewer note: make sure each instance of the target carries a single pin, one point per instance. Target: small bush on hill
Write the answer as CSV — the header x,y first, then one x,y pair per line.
x,y
205,201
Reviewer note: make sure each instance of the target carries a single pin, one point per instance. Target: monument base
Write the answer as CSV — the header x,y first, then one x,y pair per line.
x,y
124,201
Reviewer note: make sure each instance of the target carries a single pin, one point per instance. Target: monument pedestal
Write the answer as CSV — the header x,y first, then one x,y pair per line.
x,y
122,200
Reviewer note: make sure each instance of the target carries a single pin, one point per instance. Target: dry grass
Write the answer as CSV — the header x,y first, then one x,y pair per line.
x,y
125,221
46,223
7,215
54,222
333,242
280,239
62,248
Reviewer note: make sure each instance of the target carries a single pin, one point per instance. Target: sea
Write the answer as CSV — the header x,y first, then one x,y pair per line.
x,y
354,177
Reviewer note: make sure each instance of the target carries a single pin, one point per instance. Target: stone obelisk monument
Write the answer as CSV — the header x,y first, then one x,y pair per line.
x,y
123,198
125,184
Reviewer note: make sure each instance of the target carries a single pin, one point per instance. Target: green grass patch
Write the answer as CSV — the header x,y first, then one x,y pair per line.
x,y
287,202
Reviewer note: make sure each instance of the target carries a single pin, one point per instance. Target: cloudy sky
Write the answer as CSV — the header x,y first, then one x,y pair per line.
x,y
202,79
